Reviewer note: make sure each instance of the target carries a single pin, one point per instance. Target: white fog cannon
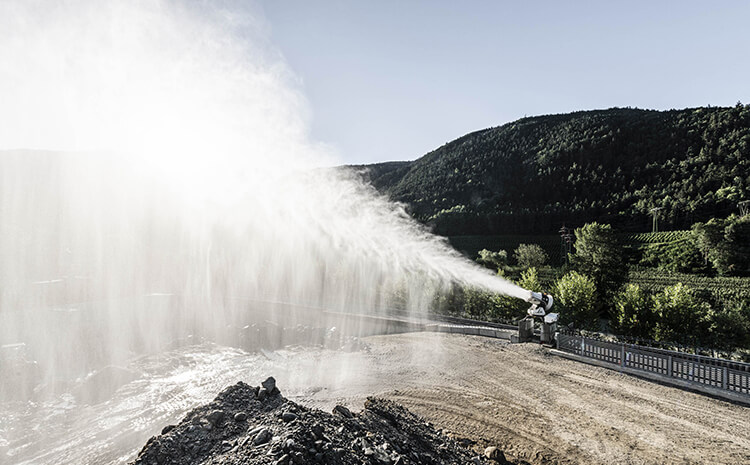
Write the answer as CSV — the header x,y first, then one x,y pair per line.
x,y
541,303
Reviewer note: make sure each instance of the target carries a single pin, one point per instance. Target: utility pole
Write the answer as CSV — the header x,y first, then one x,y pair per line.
x,y
744,207
655,212
566,240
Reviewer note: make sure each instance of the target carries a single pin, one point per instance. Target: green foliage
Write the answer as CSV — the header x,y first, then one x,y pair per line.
x,y
653,238
709,238
679,313
720,291
575,296
725,244
611,165
506,308
471,245
530,255
530,280
477,304
494,260
599,255
730,326
737,239
681,256
634,313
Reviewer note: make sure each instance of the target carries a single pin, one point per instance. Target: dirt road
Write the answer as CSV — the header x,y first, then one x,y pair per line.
x,y
539,408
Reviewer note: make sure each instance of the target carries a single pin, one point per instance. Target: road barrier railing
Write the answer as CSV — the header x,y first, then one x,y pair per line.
x,y
716,373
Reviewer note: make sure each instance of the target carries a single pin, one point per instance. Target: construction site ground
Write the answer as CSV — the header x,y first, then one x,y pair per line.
x,y
538,408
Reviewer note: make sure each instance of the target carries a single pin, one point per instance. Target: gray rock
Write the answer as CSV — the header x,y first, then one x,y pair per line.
x,y
493,453
262,437
240,416
361,443
289,444
269,384
215,417
167,429
317,430
343,411
262,394
288,416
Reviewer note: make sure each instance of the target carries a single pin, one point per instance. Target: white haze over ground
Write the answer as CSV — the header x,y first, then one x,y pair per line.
x,y
170,174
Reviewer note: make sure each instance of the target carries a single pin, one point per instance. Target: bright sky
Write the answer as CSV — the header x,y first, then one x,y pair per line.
x,y
394,79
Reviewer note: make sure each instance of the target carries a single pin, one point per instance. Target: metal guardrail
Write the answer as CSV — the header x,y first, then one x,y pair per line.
x,y
714,372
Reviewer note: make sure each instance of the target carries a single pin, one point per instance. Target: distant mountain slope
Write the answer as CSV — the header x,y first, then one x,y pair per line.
x,y
615,165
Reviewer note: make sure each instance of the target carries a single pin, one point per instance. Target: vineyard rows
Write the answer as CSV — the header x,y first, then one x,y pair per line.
x,y
724,289
653,238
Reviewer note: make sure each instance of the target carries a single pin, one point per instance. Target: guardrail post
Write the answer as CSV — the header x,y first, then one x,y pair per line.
x,y
622,355
669,362
724,377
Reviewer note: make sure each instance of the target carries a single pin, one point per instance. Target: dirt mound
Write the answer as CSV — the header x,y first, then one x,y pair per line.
x,y
257,425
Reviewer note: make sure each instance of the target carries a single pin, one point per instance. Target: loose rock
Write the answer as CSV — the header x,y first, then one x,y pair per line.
x,y
215,417
269,384
384,433
495,454
262,437
288,416
343,411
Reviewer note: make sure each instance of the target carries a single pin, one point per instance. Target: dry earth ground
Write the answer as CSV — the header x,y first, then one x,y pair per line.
x,y
539,408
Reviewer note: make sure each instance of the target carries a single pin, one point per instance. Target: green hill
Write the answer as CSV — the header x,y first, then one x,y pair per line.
x,y
613,166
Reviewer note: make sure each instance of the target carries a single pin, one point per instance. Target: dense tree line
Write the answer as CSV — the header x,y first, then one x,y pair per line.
x,y
593,291
612,166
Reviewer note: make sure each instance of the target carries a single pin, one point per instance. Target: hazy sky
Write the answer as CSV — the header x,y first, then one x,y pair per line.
x,y
392,80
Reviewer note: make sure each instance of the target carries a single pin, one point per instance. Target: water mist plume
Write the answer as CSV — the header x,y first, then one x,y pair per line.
x,y
182,167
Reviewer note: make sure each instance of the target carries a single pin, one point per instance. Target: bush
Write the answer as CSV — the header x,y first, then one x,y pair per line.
x,y
575,293
530,255
730,326
493,260
725,244
530,280
599,255
477,304
633,313
679,313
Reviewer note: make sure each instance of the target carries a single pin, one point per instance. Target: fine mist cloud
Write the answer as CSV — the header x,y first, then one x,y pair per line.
x,y
178,162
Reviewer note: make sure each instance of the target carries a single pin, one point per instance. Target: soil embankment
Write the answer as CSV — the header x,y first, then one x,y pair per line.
x,y
257,425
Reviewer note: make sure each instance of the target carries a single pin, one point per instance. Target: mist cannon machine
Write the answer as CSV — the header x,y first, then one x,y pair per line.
x,y
541,303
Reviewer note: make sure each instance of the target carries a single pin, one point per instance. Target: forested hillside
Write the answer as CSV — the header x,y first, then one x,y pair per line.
x,y
611,166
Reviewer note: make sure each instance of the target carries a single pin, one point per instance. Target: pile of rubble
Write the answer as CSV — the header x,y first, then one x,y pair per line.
x,y
257,425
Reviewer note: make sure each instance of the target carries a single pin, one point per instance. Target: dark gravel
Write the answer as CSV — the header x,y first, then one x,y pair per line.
x,y
257,425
